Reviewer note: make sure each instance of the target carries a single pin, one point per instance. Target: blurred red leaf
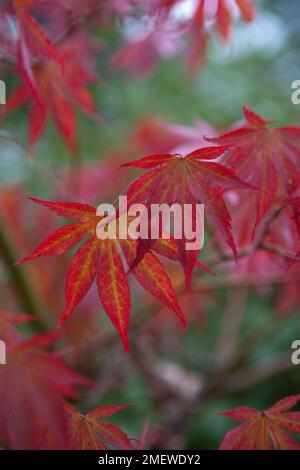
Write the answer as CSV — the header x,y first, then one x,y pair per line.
x,y
154,135
32,387
53,92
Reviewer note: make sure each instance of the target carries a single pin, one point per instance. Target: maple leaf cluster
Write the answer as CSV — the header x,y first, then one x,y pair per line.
x,y
54,59
269,170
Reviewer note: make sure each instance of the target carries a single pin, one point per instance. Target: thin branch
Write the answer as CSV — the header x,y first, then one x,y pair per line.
x,y
237,281
258,243
253,375
277,250
20,283
230,325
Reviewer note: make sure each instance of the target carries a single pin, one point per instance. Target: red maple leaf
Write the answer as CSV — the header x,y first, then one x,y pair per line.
x,y
140,57
89,432
32,387
100,259
189,180
268,158
264,430
54,92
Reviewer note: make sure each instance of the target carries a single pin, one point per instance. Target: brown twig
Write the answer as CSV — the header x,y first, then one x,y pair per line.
x,y
230,325
19,281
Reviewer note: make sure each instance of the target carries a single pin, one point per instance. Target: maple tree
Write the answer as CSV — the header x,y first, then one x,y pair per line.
x,y
63,363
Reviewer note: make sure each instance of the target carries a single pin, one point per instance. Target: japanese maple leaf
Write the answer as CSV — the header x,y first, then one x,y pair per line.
x,y
268,158
100,259
264,430
55,93
192,179
140,57
32,387
89,431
